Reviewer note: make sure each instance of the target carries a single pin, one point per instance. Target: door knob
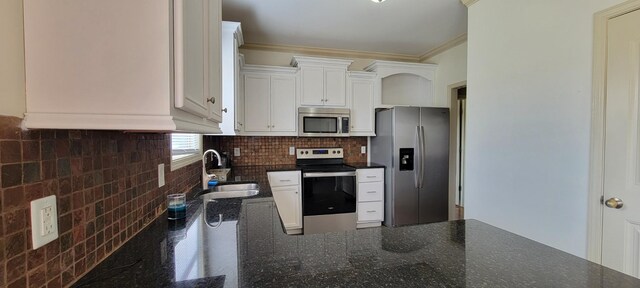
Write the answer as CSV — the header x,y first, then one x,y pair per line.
x,y
614,203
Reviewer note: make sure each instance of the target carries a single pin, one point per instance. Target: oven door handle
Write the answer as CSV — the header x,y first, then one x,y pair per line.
x,y
328,174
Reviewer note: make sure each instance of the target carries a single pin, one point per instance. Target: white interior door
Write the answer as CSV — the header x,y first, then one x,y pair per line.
x,y
621,225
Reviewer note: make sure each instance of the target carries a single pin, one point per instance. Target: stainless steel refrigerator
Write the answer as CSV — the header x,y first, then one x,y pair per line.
x,y
413,143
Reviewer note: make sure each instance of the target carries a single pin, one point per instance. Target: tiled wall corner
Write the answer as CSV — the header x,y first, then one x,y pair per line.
x,y
106,184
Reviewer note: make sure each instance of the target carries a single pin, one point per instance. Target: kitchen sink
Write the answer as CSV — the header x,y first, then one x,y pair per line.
x,y
232,191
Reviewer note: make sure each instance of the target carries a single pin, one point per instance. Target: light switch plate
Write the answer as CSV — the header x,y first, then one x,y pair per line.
x,y
236,152
160,175
363,149
292,150
44,221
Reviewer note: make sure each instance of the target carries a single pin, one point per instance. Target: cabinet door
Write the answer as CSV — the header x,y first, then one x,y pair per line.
x,y
335,87
312,86
289,203
256,102
362,112
239,109
215,59
283,104
191,49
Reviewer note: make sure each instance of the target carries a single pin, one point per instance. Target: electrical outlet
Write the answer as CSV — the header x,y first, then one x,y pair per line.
x,y
44,221
236,152
160,175
292,150
363,149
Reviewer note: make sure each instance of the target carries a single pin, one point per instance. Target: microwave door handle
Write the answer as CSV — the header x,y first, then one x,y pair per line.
x,y
339,119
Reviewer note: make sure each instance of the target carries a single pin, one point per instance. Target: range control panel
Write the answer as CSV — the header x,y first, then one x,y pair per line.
x,y
319,153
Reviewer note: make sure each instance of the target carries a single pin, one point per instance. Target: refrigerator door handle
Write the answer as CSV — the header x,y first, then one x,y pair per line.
x,y
416,171
423,153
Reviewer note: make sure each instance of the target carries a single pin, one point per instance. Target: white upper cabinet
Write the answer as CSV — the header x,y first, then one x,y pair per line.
x,y
361,91
257,97
121,65
231,40
269,100
323,81
404,84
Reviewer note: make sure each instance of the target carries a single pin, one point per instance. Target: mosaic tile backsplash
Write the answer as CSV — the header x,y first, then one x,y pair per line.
x,y
256,150
106,184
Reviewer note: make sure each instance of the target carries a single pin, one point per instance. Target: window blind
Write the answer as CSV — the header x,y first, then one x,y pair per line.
x,y
183,144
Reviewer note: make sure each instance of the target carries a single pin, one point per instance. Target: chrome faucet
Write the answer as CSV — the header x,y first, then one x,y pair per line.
x,y
206,176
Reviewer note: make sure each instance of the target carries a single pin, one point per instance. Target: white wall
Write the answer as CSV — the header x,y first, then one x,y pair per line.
x,y
452,68
528,103
12,85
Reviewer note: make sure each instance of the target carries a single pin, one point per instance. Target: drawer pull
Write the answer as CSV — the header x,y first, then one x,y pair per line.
x,y
371,211
371,191
286,180
371,176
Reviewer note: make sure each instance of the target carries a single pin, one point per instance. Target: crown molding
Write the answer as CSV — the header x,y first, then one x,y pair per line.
x,y
444,47
342,53
468,3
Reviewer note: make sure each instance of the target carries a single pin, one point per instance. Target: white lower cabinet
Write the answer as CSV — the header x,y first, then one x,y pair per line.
x,y
370,193
287,194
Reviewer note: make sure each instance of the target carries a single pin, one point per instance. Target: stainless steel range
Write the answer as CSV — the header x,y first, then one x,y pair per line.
x,y
328,190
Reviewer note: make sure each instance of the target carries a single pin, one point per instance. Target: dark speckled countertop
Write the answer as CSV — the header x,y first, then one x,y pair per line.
x,y
249,249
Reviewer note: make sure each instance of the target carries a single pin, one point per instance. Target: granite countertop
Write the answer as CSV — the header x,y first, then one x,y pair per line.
x,y
249,249
365,165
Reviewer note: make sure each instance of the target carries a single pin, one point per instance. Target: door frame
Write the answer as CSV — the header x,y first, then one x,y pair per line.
x,y
599,94
453,145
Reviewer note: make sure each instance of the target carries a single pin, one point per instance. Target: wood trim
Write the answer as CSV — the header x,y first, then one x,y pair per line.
x,y
344,53
596,163
444,47
453,147
468,3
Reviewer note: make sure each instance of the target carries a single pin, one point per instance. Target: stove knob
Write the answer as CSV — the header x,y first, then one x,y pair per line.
x,y
306,152
334,151
338,152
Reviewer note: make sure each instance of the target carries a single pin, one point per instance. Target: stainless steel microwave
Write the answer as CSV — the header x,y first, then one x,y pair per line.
x,y
323,122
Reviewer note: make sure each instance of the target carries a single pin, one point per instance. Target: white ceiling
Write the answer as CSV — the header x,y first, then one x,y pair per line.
x,y
410,27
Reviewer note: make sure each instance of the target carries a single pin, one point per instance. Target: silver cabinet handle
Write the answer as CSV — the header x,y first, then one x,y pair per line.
x,y
224,110
370,192
371,177
285,180
371,211
212,100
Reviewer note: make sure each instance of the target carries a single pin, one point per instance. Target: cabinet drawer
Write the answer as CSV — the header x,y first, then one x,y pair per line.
x,y
370,175
277,179
370,211
370,191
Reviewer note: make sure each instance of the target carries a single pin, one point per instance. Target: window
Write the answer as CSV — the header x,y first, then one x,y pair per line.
x,y
185,149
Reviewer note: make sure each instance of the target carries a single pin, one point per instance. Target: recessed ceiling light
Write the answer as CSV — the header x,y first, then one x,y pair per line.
x,y
378,1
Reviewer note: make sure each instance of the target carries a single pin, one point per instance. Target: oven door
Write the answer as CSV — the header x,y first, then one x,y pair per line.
x,y
327,193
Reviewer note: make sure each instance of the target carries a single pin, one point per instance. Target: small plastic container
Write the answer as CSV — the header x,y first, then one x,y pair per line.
x,y
176,207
